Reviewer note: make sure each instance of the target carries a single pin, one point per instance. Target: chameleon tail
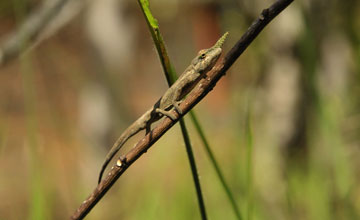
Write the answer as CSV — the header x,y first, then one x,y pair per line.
x,y
116,147
103,168
110,155
137,126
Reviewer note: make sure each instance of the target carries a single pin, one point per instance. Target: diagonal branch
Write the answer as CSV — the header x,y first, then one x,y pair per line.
x,y
200,91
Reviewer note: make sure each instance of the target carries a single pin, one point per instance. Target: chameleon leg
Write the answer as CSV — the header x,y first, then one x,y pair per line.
x,y
177,107
166,113
147,128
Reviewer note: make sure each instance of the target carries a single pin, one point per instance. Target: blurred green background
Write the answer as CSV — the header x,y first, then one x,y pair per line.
x,y
284,123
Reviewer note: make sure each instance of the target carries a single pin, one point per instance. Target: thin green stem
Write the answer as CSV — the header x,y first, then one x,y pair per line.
x,y
193,169
171,77
154,29
215,164
249,162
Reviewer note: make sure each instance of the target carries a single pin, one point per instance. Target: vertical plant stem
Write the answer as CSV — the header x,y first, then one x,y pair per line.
x,y
215,165
193,169
249,163
171,77
154,29
38,209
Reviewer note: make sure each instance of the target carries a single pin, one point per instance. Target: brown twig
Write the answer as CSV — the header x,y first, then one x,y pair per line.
x,y
200,91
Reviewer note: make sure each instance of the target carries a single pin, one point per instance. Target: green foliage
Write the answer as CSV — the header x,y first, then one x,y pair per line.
x,y
45,174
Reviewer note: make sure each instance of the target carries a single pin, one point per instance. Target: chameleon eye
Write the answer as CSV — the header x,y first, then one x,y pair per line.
x,y
201,52
202,56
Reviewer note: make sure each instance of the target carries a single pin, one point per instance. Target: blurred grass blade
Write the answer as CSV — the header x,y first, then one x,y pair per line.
x,y
39,208
171,77
3,135
215,165
153,25
249,161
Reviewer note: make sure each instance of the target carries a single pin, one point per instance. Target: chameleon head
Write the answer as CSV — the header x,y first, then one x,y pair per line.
x,y
207,58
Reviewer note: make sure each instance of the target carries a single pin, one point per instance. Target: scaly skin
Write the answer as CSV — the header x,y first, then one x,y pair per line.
x,y
202,63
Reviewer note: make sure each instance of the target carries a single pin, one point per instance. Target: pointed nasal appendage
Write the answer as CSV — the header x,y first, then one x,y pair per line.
x,y
221,41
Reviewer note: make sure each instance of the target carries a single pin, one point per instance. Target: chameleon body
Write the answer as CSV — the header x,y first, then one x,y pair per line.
x,y
202,63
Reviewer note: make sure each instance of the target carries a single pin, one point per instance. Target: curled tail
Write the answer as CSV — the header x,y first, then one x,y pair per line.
x,y
137,126
116,147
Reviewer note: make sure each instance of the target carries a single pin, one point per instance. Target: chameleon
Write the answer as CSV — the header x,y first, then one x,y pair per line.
x,y
171,99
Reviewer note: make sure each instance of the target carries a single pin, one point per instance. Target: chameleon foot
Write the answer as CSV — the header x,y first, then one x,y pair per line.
x,y
166,113
177,107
